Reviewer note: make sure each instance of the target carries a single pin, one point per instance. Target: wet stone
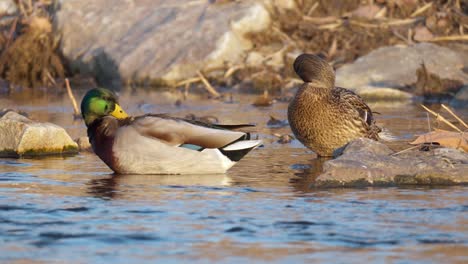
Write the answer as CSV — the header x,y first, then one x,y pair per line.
x,y
83,144
21,136
390,72
364,162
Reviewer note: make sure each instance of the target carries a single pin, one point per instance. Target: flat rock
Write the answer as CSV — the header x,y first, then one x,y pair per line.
x,y
383,72
157,42
83,144
365,162
21,136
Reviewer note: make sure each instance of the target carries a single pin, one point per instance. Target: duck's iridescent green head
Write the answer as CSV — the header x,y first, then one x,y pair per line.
x,y
98,103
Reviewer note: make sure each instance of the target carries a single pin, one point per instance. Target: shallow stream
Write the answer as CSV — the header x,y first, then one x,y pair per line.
x,y
74,210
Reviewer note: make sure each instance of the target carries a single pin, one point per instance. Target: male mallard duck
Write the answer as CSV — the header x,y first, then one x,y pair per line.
x,y
324,117
159,144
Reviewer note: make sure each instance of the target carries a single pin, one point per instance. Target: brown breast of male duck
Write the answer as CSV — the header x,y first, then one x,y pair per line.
x,y
324,117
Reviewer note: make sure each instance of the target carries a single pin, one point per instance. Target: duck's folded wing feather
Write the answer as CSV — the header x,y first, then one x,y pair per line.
x,y
177,132
355,101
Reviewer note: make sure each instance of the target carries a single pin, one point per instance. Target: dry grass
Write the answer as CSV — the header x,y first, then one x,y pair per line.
x,y
31,59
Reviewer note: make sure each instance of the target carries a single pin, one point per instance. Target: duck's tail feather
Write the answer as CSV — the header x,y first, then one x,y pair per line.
x,y
239,149
235,126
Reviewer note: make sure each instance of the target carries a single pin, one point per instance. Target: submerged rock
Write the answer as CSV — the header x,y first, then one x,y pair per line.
x,y
386,71
21,136
155,42
365,162
461,98
83,144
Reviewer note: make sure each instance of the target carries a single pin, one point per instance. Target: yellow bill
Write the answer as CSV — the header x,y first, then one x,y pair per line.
x,y
118,112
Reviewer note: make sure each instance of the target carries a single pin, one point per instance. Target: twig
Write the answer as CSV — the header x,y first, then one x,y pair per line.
x,y
429,128
398,35
402,22
421,10
313,8
320,20
331,26
382,12
72,97
30,7
232,70
283,35
450,38
441,118
333,47
51,79
282,50
454,115
387,23
11,32
405,150
188,81
208,86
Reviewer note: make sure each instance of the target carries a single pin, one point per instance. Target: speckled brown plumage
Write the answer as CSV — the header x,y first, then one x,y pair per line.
x,y
324,117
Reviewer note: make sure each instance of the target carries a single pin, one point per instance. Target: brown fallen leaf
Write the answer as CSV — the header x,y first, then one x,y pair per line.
x,y
284,139
445,138
422,34
276,123
366,11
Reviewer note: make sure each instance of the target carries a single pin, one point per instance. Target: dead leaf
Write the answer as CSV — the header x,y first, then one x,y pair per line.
x,y
284,139
422,34
276,123
445,138
366,11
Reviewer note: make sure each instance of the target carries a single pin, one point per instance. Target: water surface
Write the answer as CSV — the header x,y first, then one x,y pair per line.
x,y
74,210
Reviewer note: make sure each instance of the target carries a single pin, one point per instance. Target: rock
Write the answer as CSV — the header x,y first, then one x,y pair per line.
x,y
7,7
155,41
365,162
461,98
421,33
384,71
83,144
21,136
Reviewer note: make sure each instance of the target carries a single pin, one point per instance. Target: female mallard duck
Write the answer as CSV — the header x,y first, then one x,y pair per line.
x,y
159,144
324,117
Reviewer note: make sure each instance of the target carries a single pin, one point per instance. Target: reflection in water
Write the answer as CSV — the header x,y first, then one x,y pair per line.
x,y
102,188
307,173
263,209
148,187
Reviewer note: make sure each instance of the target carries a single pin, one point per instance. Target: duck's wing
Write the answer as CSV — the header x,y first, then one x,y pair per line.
x,y
177,131
349,99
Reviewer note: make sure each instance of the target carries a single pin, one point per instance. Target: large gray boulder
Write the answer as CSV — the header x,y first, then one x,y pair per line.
x,y
21,136
155,41
365,162
384,71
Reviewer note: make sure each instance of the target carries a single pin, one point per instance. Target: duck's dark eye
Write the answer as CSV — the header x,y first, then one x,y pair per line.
x,y
105,107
